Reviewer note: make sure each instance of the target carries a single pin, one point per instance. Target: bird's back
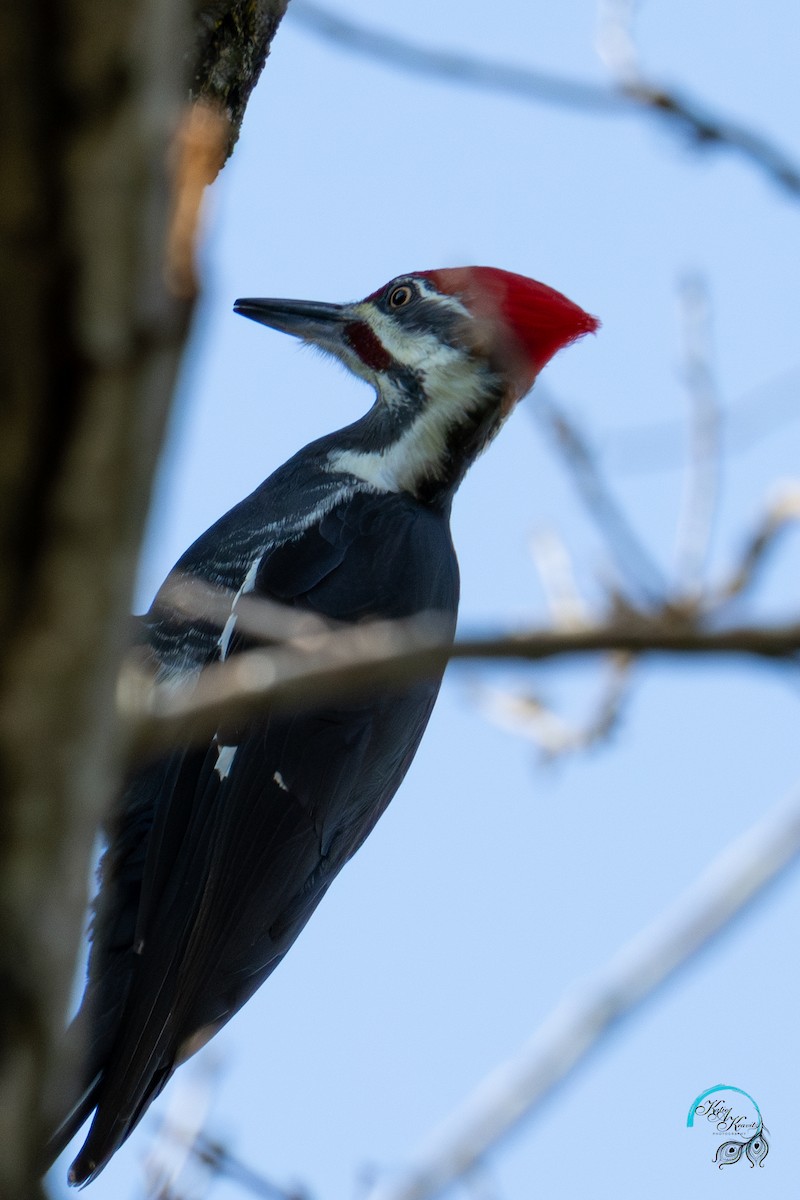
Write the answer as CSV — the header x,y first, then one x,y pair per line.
x,y
219,855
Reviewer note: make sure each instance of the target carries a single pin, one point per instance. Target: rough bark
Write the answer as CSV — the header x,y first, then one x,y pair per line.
x,y
92,97
233,38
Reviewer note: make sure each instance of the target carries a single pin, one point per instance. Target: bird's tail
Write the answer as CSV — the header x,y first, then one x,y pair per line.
x,y
72,1093
121,1095
74,1090
69,1124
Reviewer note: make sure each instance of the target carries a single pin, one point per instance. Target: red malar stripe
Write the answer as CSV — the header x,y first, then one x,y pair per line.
x,y
367,346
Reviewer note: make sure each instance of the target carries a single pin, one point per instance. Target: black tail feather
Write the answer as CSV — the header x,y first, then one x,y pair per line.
x,y
69,1125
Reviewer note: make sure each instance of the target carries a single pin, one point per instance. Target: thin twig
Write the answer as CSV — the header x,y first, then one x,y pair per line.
x,y
181,1144
527,715
783,511
690,119
171,1151
449,65
632,557
554,566
706,129
575,1028
220,1161
397,653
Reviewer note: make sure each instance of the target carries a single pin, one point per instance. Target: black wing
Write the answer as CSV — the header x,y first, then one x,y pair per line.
x,y
221,855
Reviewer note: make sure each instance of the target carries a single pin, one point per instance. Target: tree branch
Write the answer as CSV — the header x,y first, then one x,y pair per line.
x,y
312,670
449,66
91,344
633,560
514,1091
231,41
685,116
93,334
231,45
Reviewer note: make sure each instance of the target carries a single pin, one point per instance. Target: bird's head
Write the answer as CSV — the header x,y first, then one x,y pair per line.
x,y
449,353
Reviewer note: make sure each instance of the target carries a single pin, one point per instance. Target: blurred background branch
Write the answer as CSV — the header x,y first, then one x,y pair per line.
x,y
582,1021
630,556
686,117
351,661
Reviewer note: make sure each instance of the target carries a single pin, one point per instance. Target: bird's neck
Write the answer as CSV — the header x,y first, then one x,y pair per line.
x,y
424,430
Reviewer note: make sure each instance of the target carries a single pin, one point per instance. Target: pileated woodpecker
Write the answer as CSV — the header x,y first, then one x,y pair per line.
x,y
217,856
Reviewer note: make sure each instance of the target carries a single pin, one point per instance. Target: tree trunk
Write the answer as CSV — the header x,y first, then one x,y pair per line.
x,y
93,328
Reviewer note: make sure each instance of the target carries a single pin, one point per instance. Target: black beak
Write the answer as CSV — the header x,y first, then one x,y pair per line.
x,y
307,319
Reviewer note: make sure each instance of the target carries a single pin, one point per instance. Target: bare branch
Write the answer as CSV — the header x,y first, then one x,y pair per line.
x,y
221,1162
707,129
172,1149
704,128
632,557
183,1160
553,563
783,511
528,716
450,66
314,670
516,1089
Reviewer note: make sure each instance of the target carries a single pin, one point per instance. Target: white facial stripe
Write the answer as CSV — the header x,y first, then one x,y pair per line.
x,y
412,352
451,302
454,389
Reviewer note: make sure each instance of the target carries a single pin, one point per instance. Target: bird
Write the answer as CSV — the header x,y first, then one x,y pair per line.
x,y
217,854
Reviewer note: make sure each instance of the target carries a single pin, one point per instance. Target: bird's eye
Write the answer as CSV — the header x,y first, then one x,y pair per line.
x,y
400,296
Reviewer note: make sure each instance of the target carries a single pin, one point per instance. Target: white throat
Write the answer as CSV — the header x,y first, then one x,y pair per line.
x,y
456,389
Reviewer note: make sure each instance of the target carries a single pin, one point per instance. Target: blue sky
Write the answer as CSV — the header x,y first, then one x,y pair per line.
x,y
494,884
